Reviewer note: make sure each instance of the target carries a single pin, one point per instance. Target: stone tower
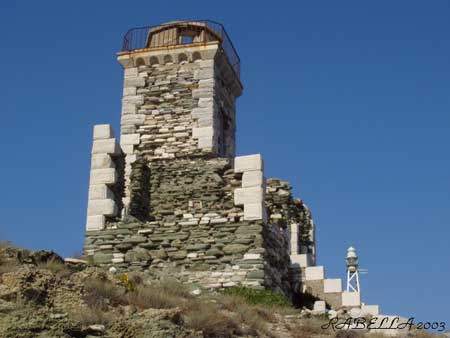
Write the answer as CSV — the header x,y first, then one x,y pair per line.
x,y
171,197
181,81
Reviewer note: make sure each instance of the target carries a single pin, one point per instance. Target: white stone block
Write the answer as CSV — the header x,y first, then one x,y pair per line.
x,y
106,146
103,176
134,82
355,312
101,161
133,100
254,211
248,195
103,131
102,207
314,273
351,299
332,285
253,179
129,91
319,307
129,139
205,142
294,228
94,223
204,73
202,132
206,103
130,158
203,112
248,163
100,192
127,148
132,119
130,72
302,260
129,109
371,310
250,256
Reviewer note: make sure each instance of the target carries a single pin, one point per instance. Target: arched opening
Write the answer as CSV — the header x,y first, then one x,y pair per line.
x,y
182,58
196,56
154,61
168,59
140,62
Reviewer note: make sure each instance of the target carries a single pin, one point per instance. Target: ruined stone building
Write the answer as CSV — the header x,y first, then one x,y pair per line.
x,y
172,197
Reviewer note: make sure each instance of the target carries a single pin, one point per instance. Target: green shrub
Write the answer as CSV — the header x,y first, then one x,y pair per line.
x,y
259,297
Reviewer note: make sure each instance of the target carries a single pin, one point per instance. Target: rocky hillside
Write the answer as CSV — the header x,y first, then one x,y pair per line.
x,y
41,295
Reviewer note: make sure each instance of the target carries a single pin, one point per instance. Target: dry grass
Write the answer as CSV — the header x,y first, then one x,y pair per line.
x,y
56,267
205,317
101,292
309,327
145,297
254,317
92,315
412,333
159,295
348,334
8,266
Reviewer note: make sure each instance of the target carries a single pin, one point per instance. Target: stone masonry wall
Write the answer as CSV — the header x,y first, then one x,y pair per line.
x,y
294,219
285,210
177,105
194,230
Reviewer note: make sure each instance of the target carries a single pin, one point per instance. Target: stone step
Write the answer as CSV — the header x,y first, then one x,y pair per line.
x,y
351,299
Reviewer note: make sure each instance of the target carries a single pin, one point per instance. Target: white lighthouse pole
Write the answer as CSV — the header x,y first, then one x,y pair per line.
x,y
352,271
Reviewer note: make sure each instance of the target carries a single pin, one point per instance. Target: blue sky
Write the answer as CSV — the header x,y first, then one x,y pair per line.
x,y
347,100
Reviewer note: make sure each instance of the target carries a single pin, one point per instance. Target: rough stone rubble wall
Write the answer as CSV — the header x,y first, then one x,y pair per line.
x,y
195,231
204,222
294,218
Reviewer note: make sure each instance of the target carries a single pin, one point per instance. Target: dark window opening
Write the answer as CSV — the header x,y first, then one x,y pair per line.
x,y
223,126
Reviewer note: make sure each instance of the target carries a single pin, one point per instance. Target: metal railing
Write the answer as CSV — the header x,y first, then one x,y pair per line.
x,y
140,38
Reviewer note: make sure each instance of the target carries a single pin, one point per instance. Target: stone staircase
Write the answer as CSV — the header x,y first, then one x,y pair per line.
x,y
314,281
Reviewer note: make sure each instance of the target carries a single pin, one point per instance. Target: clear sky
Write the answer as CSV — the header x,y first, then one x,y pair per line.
x,y
347,100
